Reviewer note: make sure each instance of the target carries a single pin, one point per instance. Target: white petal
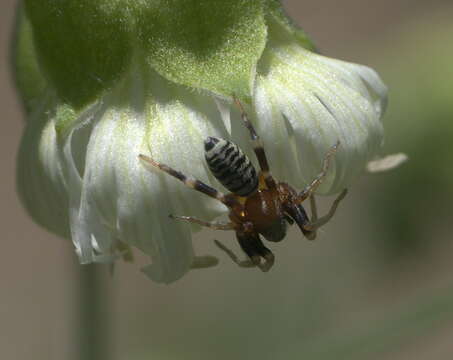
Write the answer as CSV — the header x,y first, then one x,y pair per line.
x,y
123,200
386,163
87,183
39,173
304,103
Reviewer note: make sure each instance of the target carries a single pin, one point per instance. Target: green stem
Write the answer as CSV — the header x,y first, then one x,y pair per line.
x,y
93,331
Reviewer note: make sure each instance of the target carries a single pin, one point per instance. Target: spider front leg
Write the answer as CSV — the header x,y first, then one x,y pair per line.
x,y
258,147
316,223
213,225
311,188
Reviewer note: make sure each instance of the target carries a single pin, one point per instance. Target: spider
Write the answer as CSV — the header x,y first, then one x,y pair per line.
x,y
258,204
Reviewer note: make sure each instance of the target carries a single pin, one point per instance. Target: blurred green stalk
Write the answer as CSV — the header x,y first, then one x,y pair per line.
x,y
93,313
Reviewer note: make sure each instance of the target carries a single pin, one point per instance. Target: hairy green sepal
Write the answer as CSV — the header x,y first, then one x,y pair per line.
x,y
275,13
82,48
29,79
209,44
83,45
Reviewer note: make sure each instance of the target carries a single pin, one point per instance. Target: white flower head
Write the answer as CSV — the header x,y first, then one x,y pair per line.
x,y
134,83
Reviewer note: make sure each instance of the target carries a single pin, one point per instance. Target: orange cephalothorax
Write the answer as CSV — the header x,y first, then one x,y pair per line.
x,y
264,210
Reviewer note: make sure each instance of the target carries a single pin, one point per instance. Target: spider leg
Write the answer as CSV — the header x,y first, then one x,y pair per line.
x,y
252,245
311,234
314,209
297,213
288,219
203,262
213,225
244,263
315,224
310,188
190,181
258,147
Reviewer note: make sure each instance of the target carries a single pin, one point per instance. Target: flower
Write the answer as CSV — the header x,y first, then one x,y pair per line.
x,y
105,81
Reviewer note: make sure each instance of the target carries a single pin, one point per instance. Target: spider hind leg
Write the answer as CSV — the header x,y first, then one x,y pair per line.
x,y
210,224
190,181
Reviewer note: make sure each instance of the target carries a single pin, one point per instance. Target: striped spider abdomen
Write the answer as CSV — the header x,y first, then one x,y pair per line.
x,y
231,167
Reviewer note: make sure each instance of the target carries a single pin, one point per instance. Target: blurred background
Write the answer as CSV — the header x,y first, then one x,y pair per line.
x,y
377,284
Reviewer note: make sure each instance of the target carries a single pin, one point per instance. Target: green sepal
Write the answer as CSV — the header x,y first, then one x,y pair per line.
x,y
211,44
27,74
83,45
66,119
275,12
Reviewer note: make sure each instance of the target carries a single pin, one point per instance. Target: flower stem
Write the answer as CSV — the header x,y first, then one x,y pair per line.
x,y
93,329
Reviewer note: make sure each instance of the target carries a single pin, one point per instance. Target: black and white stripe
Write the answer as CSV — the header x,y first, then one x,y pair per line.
x,y
230,166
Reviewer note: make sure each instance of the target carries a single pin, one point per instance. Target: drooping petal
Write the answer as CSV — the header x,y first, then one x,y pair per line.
x,y
387,163
304,103
40,181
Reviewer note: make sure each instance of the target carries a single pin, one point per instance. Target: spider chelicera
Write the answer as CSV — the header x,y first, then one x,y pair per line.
x,y
258,204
